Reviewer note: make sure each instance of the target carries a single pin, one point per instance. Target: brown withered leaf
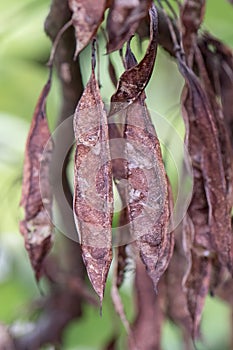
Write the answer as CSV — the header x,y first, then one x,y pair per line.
x,y
87,17
208,165
134,80
191,17
123,19
93,197
148,324
36,226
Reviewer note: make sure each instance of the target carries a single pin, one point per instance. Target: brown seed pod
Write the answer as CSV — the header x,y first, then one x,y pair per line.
x,y
134,80
93,197
36,226
87,17
123,19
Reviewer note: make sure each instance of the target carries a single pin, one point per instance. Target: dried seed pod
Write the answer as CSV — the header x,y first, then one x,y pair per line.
x,y
148,191
36,226
93,197
209,207
87,17
123,20
134,80
223,134
147,327
147,183
208,164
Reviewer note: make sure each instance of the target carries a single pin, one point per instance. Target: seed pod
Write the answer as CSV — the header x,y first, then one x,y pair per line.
x,y
147,183
148,191
134,80
209,208
147,327
123,19
87,17
36,226
93,197
208,162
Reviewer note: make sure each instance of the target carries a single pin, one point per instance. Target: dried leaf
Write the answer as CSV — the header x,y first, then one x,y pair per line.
x,y
93,197
134,80
87,17
149,320
123,20
36,226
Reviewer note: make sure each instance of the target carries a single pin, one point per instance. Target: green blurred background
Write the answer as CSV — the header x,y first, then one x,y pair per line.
x,y
24,51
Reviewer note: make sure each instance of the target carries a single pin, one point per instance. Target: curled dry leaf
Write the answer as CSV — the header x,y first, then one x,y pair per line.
x,y
134,80
93,197
87,17
36,226
123,19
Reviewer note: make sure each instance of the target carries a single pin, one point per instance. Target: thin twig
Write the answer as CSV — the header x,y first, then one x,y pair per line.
x,y
56,42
